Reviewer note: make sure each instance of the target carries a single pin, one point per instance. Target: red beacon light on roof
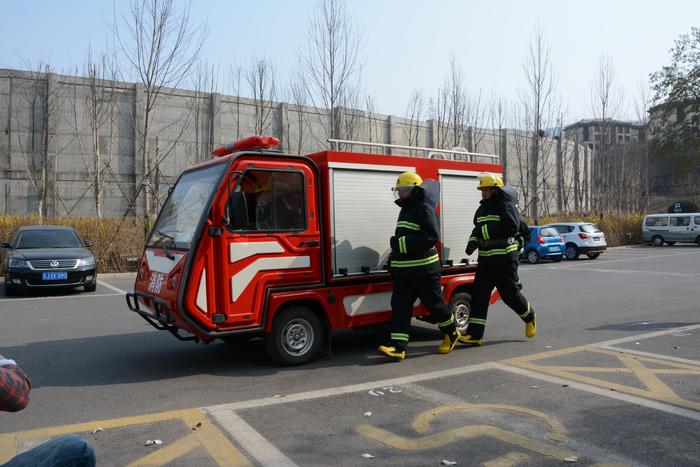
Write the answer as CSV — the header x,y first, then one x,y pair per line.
x,y
246,144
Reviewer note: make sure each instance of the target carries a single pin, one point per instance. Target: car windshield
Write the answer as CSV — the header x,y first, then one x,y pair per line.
x,y
589,228
549,232
185,207
48,238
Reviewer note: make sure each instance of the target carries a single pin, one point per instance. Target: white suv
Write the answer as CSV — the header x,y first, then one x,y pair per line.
x,y
581,238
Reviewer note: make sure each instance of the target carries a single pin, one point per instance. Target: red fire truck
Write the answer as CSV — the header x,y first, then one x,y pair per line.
x,y
291,248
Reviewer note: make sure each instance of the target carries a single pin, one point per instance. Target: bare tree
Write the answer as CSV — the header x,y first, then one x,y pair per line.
x,y
541,81
205,85
41,96
439,110
415,114
331,64
606,103
372,120
455,89
261,80
235,78
297,94
100,104
161,46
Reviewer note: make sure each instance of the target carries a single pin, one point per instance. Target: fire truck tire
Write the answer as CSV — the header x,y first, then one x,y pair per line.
x,y
296,336
461,307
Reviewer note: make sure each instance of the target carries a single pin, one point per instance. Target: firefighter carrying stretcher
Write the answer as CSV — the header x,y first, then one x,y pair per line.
x,y
497,227
415,268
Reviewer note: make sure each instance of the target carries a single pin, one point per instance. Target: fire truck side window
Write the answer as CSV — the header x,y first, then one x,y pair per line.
x,y
275,200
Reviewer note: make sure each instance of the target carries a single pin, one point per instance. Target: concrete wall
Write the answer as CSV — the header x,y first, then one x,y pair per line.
x,y
186,125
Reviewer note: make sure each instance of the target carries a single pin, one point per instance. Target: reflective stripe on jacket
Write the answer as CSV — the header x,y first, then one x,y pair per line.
x,y
413,251
496,223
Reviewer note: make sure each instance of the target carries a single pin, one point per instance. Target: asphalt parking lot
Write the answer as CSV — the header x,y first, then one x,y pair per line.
x,y
612,378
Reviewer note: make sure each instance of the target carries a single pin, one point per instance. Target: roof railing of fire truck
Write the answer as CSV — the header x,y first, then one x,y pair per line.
x,y
429,153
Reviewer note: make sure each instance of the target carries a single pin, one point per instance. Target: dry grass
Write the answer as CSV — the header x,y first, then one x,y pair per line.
x,y
116,239
619,230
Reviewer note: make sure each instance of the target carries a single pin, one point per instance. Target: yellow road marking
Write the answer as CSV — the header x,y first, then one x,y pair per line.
x,y
655,388
169,452
510,459
217,445
422,422
467,432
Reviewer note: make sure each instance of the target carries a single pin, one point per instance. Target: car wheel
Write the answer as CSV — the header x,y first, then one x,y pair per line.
x,y
670,243
697,240
532,257
593,255
91,287
571,252
657,240
296,336
461,307
556,259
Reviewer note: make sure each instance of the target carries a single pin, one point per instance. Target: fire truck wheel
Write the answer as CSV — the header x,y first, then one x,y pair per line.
x,y
460,304
296,336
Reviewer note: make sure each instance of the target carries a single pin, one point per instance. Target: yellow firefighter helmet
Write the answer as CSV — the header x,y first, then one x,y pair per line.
x,y
408,179
490,181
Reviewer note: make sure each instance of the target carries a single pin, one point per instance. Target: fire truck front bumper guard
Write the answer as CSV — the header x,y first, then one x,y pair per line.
x,y
161,316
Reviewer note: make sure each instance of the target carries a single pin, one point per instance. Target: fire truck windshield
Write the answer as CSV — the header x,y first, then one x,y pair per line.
x,y
186,205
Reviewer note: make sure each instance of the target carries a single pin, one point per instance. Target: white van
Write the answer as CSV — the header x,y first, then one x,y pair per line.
x,y
671,228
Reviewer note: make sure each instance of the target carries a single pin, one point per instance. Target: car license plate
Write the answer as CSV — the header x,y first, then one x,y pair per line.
x,y
596,239
553,248
54,276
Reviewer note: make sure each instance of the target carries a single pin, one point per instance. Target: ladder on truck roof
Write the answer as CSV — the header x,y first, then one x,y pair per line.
x,y
457,154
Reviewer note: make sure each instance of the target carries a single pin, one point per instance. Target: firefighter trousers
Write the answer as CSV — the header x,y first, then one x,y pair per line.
x,y
504,277
404,295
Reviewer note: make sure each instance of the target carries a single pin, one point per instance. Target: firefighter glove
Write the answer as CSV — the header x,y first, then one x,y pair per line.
x,y
471,246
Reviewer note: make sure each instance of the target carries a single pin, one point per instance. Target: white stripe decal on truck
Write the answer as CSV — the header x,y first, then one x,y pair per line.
x,y
161,263
202,291
239,251
241,280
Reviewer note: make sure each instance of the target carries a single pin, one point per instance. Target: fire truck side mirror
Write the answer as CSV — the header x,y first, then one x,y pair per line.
x,y
237,211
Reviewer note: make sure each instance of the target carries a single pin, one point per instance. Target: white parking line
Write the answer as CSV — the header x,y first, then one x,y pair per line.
x,y
253,442
12,300
646,354
636,258
338,390
637,273
602,392
104,284
647,335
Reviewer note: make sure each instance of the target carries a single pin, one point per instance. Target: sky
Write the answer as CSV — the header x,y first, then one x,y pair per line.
x,y
407,44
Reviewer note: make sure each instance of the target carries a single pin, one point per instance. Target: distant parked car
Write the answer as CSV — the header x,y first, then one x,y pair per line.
x,y
545,242
48,256
581,238
671,228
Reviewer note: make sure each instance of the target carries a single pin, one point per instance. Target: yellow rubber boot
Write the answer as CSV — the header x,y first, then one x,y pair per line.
x,y
531,327
392,352
470,341
449,342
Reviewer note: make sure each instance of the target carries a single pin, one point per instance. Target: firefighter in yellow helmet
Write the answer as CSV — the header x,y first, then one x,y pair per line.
x,y
415,268
496,228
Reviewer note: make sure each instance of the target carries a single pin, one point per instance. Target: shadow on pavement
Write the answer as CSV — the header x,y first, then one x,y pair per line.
x,y
153,356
